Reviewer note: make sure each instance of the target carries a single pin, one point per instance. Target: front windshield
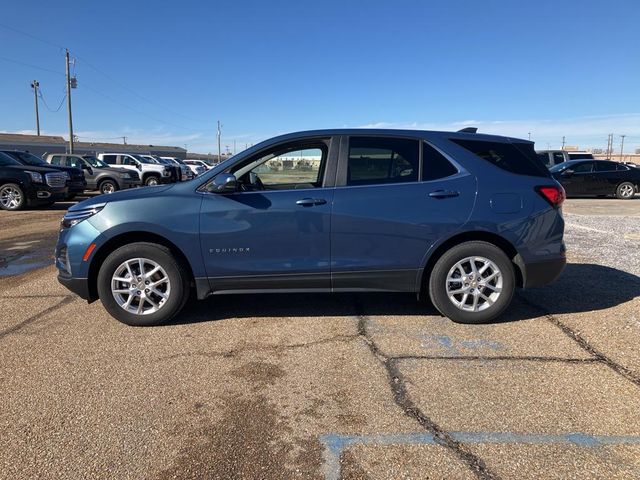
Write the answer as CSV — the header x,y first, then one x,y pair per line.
x,y
6,160
29,158
94,162
142,159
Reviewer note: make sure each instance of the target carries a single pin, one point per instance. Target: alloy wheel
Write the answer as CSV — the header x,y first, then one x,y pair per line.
x,y
474,284
626,191
140,286
10,197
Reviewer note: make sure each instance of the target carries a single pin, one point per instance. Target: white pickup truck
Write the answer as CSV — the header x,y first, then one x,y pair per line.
x,y
151,173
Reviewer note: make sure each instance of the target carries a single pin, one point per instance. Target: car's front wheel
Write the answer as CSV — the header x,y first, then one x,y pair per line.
x,y
11,197
152,181
472,282
142,284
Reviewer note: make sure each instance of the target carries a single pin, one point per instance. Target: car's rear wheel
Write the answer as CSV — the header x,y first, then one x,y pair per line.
x,y
108,186
625,190
11,197
142,284
472,283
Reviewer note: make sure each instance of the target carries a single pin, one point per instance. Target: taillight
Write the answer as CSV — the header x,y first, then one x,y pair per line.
x,y
553,194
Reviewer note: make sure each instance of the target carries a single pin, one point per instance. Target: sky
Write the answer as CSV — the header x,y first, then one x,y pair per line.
x,y
164,73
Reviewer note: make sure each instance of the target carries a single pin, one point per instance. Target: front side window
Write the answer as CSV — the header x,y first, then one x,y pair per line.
x,y
74,162
558,157
288,167
110,159
583,167
375,160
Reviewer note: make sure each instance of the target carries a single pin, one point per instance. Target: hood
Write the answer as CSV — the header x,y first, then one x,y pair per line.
x,y
121,195
24,168
73,172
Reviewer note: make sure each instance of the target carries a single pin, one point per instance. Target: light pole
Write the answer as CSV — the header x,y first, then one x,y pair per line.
x,y
622,146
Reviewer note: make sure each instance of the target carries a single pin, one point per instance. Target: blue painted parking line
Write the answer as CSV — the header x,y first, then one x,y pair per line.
x,y
335,444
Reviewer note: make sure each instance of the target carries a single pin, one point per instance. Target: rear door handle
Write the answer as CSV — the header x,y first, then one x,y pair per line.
x,y
444,194
309,202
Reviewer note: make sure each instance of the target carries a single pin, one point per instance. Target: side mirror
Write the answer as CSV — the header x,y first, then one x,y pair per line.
x,y
223,183
139,166
567,173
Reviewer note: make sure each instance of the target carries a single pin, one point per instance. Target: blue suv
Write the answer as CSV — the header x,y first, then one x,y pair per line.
x,y
460,217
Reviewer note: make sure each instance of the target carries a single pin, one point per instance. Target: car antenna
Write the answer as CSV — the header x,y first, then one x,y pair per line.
x,y
469,130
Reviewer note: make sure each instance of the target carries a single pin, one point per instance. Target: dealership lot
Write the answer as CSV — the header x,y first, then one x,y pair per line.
x,y
318,386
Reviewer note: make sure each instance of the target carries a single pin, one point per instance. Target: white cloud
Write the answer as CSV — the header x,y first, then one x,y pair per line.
x,y
589,131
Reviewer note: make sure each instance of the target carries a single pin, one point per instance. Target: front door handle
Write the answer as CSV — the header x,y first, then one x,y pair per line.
x,y
444,194
309,202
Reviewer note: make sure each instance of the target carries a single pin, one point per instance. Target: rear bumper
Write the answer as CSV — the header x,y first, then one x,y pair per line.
x,y
539,274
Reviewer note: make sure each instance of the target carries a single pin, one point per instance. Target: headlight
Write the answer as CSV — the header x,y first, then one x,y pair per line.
x,y
73,218
35,177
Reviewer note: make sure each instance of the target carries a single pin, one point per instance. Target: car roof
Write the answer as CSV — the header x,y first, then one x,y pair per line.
x,y
426,134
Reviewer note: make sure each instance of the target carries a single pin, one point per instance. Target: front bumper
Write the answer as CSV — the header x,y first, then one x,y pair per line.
x,y
76,187
39,194
79,286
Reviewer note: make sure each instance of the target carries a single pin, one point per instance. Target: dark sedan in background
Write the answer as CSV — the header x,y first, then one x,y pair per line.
x,y
598,178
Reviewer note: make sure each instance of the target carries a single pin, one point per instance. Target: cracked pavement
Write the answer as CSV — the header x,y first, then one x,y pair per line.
x,y
354,386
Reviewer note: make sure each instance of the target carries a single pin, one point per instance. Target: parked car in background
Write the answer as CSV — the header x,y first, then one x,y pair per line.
x,y
76,182
98,174
150,173
201,163
176,171
460,217
196,168
29,185
187,174
554,157
597,178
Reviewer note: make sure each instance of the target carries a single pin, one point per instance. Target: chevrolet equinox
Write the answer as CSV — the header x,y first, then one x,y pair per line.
x,y
459,217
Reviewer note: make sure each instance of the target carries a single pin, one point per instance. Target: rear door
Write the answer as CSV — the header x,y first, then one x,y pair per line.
x,y
389,207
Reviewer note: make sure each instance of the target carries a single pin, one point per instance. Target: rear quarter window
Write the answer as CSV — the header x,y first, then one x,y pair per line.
x,y
518,158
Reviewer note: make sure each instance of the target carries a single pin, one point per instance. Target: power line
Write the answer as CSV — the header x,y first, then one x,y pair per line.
x,y
41,96
24,64
30,35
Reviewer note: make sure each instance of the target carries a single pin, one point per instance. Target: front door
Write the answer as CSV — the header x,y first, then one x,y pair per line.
x,y
388,211
273,233
582,181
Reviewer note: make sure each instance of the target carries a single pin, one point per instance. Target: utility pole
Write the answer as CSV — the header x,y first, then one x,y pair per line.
x,y
529,136
622,146
69,103
563,143
219,149
124,140
234,147
35,84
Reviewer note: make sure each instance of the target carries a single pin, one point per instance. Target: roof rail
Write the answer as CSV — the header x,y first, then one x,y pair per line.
x,y
468,130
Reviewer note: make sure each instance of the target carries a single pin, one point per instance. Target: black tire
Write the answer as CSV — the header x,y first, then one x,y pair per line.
x,y
108,186
625,191
12,197
152,180
438,283
176,273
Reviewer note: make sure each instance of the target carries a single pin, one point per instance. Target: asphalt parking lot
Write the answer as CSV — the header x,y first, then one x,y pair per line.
x,y
353,386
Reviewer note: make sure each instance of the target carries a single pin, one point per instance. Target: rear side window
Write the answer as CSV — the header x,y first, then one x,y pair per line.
x,y
57,160
379,160
606,166
518,158
435,164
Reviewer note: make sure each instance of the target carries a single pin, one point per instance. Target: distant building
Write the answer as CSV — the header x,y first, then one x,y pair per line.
x,y
39,145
